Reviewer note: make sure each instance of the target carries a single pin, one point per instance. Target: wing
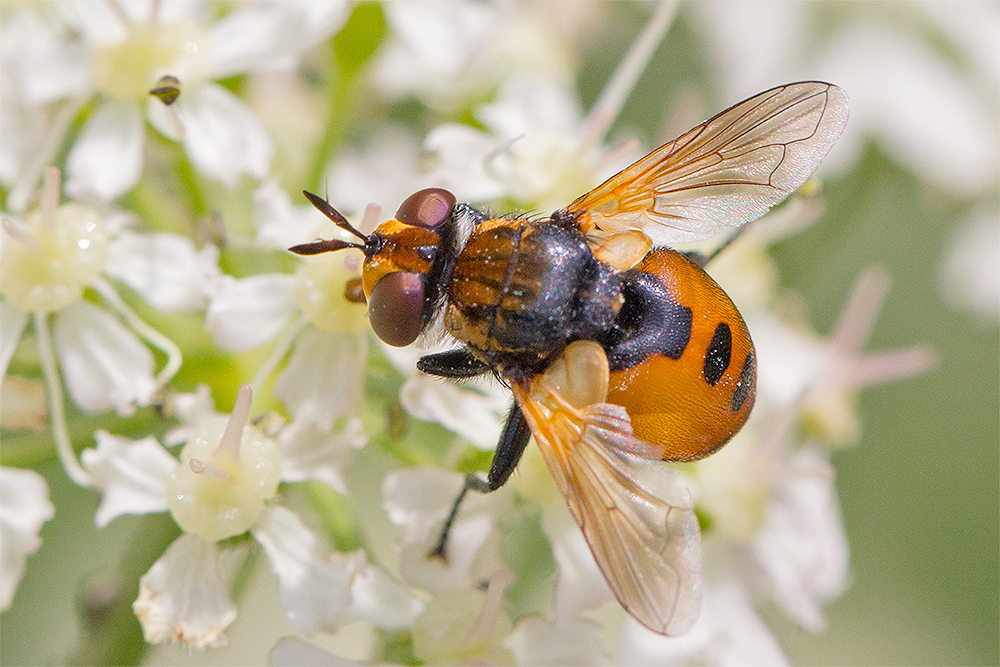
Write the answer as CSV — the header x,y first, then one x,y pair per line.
x,y
723,173
636,517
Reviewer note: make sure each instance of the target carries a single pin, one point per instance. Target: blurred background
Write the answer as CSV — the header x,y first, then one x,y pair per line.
x,y
911,186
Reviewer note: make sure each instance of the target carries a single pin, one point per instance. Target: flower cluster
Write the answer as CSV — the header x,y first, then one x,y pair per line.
x,y
148,152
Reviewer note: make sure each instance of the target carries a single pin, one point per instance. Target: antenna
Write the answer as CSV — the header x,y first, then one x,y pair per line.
x,y
324,207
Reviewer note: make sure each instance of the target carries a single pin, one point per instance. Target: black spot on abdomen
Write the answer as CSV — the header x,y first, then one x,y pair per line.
x,y
717,356
744,384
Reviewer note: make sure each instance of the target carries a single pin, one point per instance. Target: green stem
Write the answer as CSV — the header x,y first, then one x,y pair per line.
x,y
341,94
110,633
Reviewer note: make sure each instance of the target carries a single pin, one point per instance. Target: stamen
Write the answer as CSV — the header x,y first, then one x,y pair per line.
x,y
369,221
50,201
612,98
858,317
892,366
167,89
20,233
120,12
208,470
483,626
238,419
491,157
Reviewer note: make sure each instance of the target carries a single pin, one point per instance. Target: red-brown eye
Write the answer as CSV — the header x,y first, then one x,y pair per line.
x,y
395,307
427,208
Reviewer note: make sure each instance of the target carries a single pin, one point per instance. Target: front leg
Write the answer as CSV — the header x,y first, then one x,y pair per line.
x,y
458,363
513,441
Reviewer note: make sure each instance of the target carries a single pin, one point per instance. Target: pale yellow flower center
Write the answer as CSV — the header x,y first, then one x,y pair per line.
x,y
129,69
48,261
320,285
226,472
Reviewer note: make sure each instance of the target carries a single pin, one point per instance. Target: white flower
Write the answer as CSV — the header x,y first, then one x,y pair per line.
x,y
464,624
308,312
728,633
474,409
325,593
928,112
537,641
47,261
447,53
533,150
385,171
132,475
970,275
419,500
118,54
224,485
538,149
801,546
24,507
184,596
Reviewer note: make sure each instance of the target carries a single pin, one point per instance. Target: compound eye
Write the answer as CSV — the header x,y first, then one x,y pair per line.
x,y
427,208
395,307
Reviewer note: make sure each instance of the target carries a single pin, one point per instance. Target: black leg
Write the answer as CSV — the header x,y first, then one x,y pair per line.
x,y
459,363
513,441
702,259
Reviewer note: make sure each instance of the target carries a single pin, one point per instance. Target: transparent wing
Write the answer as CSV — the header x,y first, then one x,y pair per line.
x,y
636,517
723,173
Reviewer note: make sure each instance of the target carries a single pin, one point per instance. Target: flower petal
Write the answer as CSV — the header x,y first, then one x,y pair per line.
x,y
184,597
12,321
801,548
131,475
293,652
475,409
728,633
462,154
383,601
222,136
419,499
385,171
105,366
279,223
24,404
106,159
315,591
537,641
308,452
192,411
268,35
970,275
24,507
165,269
39,59
474,415
246,313
322,379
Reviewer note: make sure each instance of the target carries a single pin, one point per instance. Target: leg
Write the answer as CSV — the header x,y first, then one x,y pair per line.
x,y
702,259
513,441
458,363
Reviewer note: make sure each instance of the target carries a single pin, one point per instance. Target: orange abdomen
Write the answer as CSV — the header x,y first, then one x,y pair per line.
x,y
682,361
